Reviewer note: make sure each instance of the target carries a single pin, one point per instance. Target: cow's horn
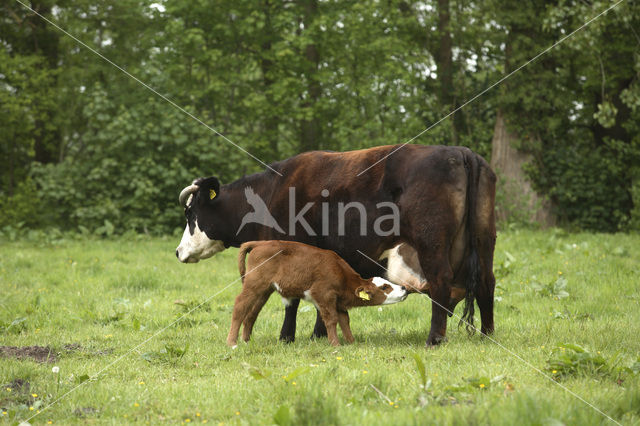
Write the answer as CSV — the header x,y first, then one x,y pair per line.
x,y
184,195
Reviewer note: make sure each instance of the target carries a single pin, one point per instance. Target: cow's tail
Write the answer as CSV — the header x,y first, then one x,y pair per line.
x,y
472,267
242,254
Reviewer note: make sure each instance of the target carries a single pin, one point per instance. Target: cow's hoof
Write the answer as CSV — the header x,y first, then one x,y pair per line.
x,y
486,331
317,336
434,341
287,339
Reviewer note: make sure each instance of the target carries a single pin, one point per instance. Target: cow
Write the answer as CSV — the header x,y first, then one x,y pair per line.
x,y
300,271
437,199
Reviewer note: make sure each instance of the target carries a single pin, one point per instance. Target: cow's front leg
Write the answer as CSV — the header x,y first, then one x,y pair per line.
x,y
319,330
288,331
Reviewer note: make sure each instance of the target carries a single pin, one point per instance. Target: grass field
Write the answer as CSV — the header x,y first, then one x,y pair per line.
x,y
106,312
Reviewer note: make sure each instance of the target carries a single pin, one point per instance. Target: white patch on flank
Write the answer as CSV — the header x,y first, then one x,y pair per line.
x,y
398,294
286,302
399,272
198,246
308,298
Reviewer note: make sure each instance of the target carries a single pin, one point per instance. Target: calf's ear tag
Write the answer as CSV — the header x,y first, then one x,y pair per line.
x,y
212,194
364,295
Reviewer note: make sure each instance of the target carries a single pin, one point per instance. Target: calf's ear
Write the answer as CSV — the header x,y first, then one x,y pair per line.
x,y
363,294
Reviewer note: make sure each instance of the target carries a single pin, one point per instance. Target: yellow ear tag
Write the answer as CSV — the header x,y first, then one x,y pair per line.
x,y
364,295
212,194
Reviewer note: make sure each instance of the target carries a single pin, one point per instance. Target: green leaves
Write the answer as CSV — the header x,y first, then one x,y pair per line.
x,y
282,417
421,370
555,289
169,354
606,114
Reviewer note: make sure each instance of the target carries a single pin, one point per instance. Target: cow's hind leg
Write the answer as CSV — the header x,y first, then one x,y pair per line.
x,y
288,331
320,329
484,298
439,274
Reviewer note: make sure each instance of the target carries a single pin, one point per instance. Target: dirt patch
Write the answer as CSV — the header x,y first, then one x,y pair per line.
x,y
85,411
19,385
72,347
36,353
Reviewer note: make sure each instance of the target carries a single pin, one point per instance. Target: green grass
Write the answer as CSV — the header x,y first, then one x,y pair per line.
x,y
95,302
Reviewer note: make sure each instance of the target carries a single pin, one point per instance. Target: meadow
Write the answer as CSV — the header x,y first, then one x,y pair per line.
x,y
137,337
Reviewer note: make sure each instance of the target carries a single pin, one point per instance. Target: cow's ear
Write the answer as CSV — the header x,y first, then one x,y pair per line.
x,y
363,294
210,188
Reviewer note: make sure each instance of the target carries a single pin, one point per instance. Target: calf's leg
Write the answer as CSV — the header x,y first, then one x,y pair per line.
x,y
343,320
330,317
252,315
241,308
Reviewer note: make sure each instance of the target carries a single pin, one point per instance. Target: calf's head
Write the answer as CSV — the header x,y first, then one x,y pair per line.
x,y
201,238
379,291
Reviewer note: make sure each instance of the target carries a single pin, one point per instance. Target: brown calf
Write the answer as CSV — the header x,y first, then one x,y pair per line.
x,y
300,271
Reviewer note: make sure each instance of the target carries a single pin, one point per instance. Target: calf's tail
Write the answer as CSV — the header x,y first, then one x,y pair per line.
x,y
242,254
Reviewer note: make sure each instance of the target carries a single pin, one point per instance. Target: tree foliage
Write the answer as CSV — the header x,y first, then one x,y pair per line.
x,y
84,144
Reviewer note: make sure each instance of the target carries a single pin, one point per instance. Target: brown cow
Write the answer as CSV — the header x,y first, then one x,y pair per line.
x,y
443,200
300,271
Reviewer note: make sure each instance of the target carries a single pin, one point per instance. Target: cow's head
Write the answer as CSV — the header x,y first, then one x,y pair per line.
x,y
199,240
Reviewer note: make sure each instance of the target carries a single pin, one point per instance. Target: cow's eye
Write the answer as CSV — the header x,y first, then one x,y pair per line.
x,y
386,287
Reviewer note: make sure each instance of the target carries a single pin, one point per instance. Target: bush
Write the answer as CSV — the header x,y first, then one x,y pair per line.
x,y
126,173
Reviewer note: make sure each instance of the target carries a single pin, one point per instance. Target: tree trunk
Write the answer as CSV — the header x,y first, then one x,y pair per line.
x,y
266,66
45,42
517,200
444,62
310,127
